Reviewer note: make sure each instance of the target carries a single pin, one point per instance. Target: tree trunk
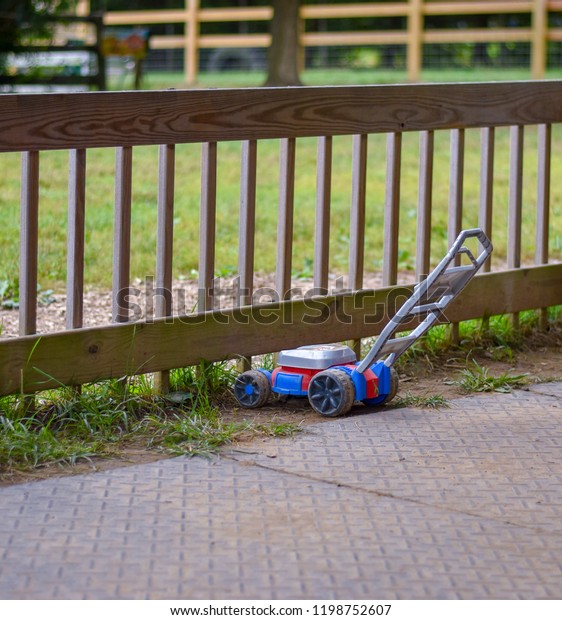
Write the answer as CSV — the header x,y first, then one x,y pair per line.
x,y
283,54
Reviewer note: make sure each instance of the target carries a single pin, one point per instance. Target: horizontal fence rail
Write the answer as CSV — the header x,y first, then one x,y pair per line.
x,y
414,35
84,122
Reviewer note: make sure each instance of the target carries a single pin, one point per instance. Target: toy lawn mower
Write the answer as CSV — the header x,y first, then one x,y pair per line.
x,y
330,376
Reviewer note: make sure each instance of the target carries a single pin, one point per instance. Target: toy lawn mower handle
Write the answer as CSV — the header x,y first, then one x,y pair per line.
x,y
429,299
457,247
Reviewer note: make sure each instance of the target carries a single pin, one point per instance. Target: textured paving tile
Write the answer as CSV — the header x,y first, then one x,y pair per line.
x,y
494,455
552,389
399,504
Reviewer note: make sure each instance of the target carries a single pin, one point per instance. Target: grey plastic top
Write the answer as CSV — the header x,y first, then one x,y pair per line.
x,y
317,356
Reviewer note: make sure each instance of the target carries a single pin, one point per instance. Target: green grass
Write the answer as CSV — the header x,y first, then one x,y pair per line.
x,y
478,379
434,401
335,76
100,188
65,426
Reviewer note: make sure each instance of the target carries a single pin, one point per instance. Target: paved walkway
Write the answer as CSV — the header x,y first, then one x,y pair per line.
x,y
463,502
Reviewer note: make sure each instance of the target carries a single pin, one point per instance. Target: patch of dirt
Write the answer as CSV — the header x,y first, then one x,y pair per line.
x,y
51,310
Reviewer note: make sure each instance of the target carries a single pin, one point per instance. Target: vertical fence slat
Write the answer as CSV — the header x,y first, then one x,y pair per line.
x,y
246,237
425,194
323,200
514,214
515,197
164,246
392,208
29,235
485,209
75,241
487,149
543,203
122,233
543,193
357,222
165,230
286,211
456,183
207,226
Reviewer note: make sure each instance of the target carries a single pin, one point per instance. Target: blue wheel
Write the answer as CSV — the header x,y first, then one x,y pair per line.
x,y
331,393
252,389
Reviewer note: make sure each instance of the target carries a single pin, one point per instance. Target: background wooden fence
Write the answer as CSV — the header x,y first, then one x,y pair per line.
x,y
413,36
79,122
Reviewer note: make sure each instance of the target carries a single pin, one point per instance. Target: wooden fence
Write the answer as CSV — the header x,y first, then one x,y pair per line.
x,y
79,122
414,36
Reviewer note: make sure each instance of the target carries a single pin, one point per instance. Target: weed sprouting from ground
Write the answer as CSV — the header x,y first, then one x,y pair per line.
x,y
435,401
478,379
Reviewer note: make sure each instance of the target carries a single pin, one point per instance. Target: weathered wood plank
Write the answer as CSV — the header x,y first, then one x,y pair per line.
x,y
392,209
487,153
29,236
165,230
247,226
207,225
83,355
247,230
164,245
286,214
122,234
82,120
357,215
323,203
514,214
543,193
543,204
75,240
456,184
425,199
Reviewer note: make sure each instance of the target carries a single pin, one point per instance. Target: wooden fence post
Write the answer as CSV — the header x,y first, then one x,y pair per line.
x,y
415,40
539,39
514,215
29,234
191,52
543,204
164,246
456,185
